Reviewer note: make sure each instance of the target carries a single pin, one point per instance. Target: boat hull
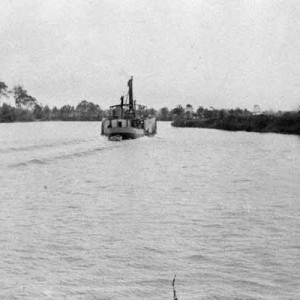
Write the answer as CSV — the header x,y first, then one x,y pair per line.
x,y
124,128
125,133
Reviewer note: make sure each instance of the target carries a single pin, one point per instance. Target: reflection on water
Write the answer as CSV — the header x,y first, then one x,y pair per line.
x,y
85,218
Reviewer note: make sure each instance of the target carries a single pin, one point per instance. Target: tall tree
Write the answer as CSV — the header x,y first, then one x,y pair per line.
x,y
38,112
88,111
67,112
54,114
46,113
200,111
178,110
22,98
3,89
164,114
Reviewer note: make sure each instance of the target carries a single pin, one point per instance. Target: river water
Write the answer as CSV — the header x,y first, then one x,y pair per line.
x,y
85,218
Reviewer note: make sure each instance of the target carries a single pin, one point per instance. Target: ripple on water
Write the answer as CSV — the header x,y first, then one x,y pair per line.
x,y
83,218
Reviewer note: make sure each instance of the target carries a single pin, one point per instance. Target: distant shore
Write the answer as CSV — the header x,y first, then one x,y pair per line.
x,y
85,111
288,123
231,120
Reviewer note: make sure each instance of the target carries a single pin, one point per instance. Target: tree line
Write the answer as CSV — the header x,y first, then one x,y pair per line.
x,y
239,120
27,108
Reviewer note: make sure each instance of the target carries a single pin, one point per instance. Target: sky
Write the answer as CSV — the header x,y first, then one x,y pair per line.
x,y
213,53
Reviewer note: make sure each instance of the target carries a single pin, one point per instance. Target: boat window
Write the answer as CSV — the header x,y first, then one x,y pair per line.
x,y
119,124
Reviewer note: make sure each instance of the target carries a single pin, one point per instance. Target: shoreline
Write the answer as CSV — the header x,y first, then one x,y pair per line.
x,y
286,124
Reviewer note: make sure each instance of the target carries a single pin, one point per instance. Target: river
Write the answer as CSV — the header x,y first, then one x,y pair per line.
x,y
85,218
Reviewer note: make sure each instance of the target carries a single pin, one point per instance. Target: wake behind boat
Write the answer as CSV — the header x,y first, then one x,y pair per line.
x,y
128,120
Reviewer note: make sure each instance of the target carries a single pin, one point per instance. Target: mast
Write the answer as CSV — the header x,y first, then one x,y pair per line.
x,y
130,93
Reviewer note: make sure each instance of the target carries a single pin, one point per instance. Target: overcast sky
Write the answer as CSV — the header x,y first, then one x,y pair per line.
x,y
219,53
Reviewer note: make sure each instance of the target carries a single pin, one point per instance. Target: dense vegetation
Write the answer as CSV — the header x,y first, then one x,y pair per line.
x,y
27,108
84,111
239,120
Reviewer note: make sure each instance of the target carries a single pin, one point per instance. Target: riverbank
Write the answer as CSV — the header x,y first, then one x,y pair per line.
x,y
85,111
288,123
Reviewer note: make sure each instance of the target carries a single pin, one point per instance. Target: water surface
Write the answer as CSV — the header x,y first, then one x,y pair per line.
x,y
85,218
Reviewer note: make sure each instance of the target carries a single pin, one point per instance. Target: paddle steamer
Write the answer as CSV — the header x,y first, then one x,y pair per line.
x,y
128,120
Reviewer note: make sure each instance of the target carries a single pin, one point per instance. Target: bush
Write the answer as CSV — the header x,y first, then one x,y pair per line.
x,y
7,113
